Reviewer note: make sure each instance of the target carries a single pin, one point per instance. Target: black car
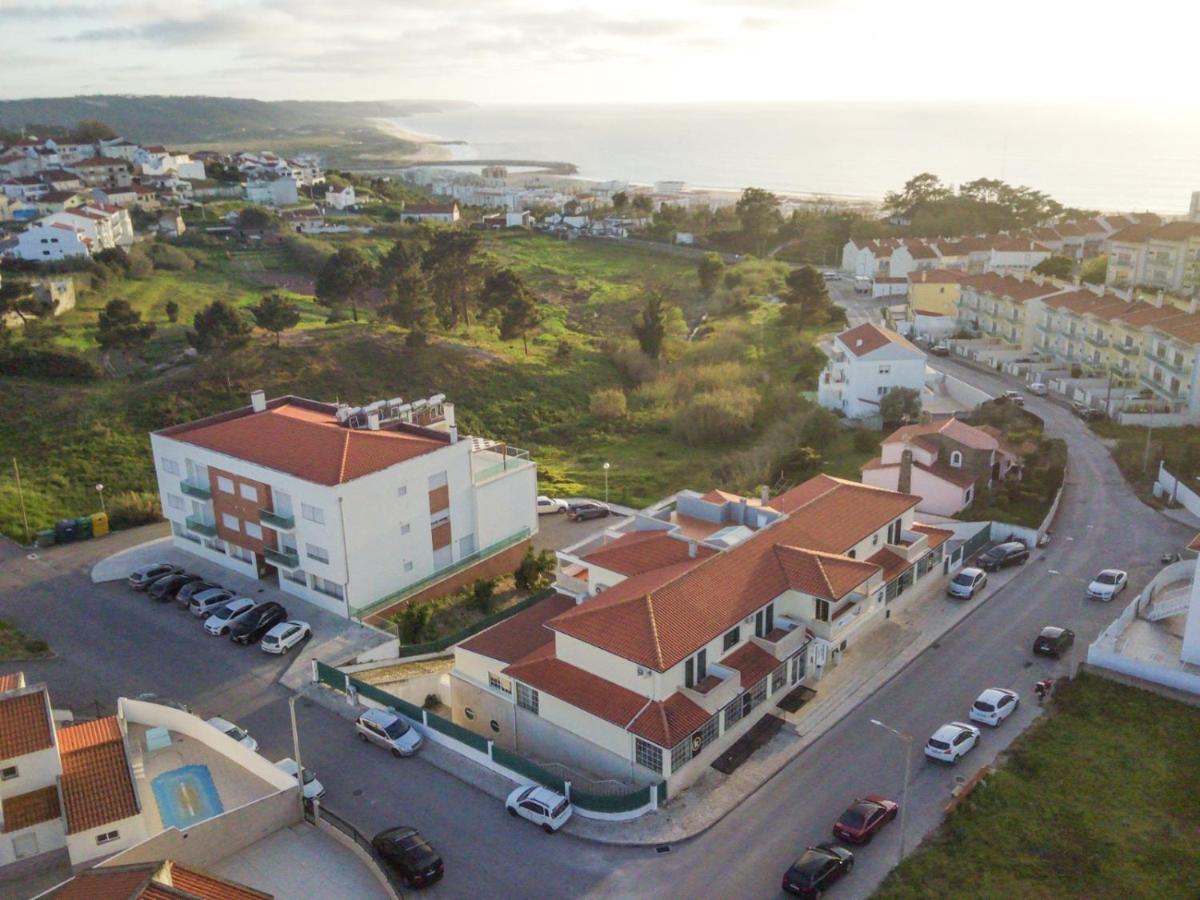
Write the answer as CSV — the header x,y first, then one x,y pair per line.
x,y
817,869
409,855
586,509
252,626
1010,553
1053,641
185,594
166,588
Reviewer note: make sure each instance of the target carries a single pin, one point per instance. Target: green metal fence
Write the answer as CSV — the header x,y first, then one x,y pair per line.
x,y
383,698
450,640
612,803
460,734
976,542
522,766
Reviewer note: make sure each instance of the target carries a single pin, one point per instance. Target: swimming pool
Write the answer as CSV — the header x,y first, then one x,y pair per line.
x,y
186,796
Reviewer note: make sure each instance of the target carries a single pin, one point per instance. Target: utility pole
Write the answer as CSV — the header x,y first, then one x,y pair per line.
x,y
21,498
908,742
296,750
1149,431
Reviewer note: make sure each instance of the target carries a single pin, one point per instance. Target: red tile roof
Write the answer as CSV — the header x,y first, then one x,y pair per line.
x,y
867,338
96,161
429,209
937,536
893,564
11,681
803,493
752,663
303,438
210,888
96,784
967,435
643,551
941,470
719,496
936,276
667,722
165,880
825,575
1176,231
1133,234
25,725
24,810
591,693
519,635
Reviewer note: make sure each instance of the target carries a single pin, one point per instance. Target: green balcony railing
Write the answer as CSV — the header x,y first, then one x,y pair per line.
x,y
1127,349
1184,367
195,489
289,559
200,526
1096,340
274,520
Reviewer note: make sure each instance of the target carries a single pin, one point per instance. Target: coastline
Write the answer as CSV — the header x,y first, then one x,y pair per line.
x,y
431,149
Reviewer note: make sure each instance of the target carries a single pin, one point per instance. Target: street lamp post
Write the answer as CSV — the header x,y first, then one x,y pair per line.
x,y
607,466
908,742
296,750
100,491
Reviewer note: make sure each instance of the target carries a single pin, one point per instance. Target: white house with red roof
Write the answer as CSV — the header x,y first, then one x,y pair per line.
x,y
865,363
667,640
106,226
342,506
51,242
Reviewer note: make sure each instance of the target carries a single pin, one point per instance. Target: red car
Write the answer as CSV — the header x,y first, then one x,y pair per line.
x,y
864,818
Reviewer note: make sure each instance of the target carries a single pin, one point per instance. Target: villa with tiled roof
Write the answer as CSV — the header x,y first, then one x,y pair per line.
x,y
866,363
302,493
671,631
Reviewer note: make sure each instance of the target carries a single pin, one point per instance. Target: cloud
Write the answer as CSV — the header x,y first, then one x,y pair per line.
x,y
220,27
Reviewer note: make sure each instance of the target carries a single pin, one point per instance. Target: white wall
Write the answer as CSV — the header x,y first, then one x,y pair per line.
x,y
34,770
606,665
83,847
505,505
50,836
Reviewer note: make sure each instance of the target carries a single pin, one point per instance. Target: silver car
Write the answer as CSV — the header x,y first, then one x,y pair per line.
x,y
205,603
966,583
387,729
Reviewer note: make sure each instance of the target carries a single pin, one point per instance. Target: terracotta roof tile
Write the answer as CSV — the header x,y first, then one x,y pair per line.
x,y
667,722
25,725
11,681
1176,231
591,693
210,887
304,439
752,663
936,276
1133,234
893,564
115,883
96,784
24,810
718,496
867,338
937,536
165,880
967,435
643,551
939,469
825,575
518,636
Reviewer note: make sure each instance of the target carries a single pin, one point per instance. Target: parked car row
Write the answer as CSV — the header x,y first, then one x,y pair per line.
x,y
243,619
954,740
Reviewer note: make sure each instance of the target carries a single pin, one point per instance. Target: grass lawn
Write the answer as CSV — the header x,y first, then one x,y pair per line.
x,y
15,644
1097,800
1179,448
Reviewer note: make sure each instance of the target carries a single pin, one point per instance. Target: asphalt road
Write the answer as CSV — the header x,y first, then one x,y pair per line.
x,y
111,641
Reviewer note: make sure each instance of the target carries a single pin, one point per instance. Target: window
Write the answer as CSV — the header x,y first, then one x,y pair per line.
x,y
108,837
225,484
778,677
970,494
956,459
312,513
231,522
882,390
441,517
174,502
408,566
330,588
437,481
852,553
296,576
402,491
170,466
8,773
254,530
240,553
496,683
733,712
885,370
822,610
405,528
214,544
25,845
248,492
320,554
466,546
527,698
647,755
731,638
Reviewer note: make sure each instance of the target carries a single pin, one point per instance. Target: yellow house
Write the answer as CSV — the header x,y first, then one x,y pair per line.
x,y
934,292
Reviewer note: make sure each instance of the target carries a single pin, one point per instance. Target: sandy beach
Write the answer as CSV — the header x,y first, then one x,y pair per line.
x,y
430,150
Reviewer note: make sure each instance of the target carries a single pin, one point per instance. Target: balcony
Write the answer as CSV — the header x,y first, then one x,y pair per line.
x,y
786,638
1127,349
498,459
285,559
195,489
274,520
1096,340
717,688
200,526
1182,368
1163,389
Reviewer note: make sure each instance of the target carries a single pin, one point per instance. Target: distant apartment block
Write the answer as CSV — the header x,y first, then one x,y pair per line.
x,y
342,506
1156,256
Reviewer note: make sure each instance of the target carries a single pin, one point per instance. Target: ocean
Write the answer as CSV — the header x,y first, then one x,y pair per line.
x,y
1107,159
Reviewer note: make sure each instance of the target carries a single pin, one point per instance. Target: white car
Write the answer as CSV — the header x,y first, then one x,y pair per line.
x,y
1038,389
952,742
313,789
1107,584
218,623
550,505
967,583
236,732
995,705
284,636
541,806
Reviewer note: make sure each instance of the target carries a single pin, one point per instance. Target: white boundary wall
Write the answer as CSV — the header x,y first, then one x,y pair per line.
x,y
1168,487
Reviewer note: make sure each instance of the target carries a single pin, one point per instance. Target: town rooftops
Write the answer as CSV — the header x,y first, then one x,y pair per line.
x,y
99,161
599,696
520,635
867,338
31,808
151,881
1016,289
303,438
642,551
967,435
667,722
97,787
939,469
25,722
1133,234
936,276
429,209
1176,231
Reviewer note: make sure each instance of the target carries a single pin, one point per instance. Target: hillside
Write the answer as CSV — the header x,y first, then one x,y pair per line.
x,y
167,119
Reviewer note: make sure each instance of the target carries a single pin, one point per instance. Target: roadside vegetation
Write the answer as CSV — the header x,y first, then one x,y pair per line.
x,y
1096,800
15,644
1178,448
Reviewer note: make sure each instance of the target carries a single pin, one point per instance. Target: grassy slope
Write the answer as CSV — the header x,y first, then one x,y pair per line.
x,y
1097,801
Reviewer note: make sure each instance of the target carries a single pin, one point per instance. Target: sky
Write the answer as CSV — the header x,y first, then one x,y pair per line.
x,y
619,51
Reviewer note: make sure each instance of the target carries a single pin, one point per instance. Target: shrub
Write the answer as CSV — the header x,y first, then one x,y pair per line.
x,y
607,404
306,254
635,365
415,338
717,416
865,441
132,508
483,594
535,570
44,363
432,701
170,258
821,429
412,622
562,352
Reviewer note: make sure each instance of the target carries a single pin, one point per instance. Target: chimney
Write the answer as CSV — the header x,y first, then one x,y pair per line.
x,y
765,495
258,401
693,549
1194,305
453,434
373,420
1158,300
904,483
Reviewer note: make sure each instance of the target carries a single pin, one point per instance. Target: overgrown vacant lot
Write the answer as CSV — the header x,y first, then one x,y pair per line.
x,y
1098,800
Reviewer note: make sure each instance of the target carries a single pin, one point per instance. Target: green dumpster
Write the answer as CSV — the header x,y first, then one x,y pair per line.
x,y
45,537
83,528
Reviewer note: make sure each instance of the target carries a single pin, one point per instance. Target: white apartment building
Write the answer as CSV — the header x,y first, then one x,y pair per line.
x,y
865,363
105,225
42,242
342,506
273,191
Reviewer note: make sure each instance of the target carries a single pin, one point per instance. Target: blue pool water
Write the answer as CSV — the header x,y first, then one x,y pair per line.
x,y
186,796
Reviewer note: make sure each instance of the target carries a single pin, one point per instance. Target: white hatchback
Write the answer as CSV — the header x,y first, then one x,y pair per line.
x,y
236,732
994,705
550,505
219,622
541,806
952,742
284,636
1107,585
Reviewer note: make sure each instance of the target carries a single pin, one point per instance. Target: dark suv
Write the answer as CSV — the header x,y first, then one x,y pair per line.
x,y
1010,553
1053,641
166,588
409,855
252,626
586,509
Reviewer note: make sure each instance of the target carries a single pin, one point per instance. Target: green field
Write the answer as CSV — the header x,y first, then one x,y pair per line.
x,y
67,437
1097,800
16,645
